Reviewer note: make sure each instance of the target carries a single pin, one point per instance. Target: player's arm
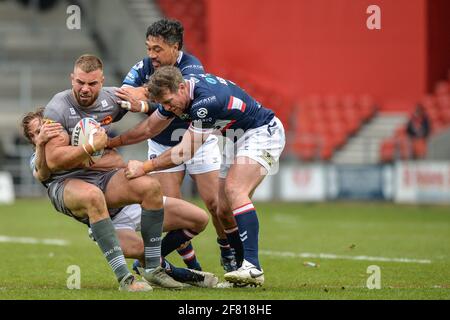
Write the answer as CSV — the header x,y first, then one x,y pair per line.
x,y
62,156
182,152
41,171
110,160
47,131
147,129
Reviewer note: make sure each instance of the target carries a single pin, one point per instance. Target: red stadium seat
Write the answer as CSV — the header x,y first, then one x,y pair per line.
x,y
387,150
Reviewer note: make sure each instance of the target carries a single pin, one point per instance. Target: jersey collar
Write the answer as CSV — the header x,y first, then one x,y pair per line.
x,y
180,56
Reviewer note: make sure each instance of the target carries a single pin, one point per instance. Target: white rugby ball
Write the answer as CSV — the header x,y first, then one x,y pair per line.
x,y
83,133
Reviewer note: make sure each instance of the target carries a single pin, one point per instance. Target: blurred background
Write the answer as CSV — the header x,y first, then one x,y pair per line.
x,y
367,111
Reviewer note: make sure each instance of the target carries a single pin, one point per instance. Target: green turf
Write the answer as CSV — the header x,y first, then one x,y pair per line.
x,y
350,229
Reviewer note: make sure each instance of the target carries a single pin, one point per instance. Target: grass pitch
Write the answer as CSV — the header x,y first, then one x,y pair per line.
x,y
341,239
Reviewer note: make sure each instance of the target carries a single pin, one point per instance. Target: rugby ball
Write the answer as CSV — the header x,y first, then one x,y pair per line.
x,y
83,133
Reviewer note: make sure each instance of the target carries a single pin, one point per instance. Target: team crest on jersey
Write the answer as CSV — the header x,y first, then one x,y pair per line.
x,y
72,111
107,120
202,113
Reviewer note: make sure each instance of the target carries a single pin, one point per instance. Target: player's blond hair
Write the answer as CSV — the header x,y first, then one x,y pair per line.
x,y
89,63
164,78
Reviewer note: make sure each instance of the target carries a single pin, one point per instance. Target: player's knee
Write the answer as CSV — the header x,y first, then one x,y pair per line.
x,y
93,200
152,192
201,221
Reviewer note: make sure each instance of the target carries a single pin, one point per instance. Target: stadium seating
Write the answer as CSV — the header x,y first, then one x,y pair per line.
x,y
323,124
437,108
191,14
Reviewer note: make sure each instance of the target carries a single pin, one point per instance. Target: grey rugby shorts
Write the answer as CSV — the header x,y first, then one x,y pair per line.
x,y
99,179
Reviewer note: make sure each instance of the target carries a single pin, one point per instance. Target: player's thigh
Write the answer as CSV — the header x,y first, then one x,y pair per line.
x,y
122,191
244,176
208,188
80,197
180,214
131,243
170,183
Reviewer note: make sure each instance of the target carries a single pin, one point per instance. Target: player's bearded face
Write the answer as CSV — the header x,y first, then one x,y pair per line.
x,y
161,52
86,86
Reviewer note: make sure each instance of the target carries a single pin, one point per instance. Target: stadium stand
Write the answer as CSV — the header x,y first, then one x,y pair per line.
x,y
437,108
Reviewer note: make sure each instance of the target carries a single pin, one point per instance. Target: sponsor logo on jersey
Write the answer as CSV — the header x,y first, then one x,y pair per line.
x,y
211,80
202,113
204,101
185,117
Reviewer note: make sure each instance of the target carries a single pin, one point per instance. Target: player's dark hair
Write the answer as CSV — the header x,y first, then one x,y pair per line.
x,y
89,63
27,118
170,30
167,77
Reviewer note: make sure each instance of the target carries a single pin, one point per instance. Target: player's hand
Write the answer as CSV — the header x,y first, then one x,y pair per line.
x,y
130,100
100,139
47,132
140,93
134,169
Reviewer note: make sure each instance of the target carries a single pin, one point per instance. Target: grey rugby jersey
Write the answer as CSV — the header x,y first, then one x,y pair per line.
x,y
64,108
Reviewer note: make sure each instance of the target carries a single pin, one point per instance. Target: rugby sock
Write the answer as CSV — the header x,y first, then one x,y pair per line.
x,y
151,230
175,239
248,224
236,244
225,248
189,257
105,235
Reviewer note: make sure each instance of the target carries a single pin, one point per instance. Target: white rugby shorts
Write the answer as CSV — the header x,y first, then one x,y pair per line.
x,y
263,144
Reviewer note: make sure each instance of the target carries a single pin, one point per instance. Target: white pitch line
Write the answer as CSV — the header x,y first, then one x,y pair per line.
x,y
23,240
342,257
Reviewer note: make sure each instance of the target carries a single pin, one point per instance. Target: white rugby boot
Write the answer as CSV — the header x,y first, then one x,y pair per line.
x,y
130,284
159,278
246,274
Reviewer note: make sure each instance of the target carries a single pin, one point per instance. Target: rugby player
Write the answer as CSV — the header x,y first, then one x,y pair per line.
x,y
164,41
127,221
97,193
255,140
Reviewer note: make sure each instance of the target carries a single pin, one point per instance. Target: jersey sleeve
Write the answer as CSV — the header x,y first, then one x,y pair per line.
x,y
113,100
162,113
54,111
136,76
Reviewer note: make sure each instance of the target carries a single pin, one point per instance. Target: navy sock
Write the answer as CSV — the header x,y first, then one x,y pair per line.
x,y
248,225
236,244
225,248
174,240
189,257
